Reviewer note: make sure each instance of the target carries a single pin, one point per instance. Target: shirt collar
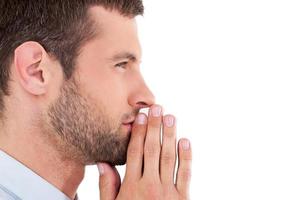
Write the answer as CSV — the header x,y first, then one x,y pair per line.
x,y
25,183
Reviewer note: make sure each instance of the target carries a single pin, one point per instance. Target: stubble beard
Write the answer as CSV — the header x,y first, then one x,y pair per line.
x,y
82,131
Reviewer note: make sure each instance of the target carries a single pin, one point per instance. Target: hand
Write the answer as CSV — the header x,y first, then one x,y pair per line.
x,y
150,166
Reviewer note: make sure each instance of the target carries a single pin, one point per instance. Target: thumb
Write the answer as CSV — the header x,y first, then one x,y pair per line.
x,y
109,181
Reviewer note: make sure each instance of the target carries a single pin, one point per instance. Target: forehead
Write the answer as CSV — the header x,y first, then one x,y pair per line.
x,y
114,33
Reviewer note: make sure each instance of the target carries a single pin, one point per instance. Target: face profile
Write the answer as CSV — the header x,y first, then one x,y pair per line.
x,y
88,133
82,120
71,95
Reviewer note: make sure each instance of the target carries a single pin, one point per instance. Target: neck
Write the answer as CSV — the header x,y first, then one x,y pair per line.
x,y
36,152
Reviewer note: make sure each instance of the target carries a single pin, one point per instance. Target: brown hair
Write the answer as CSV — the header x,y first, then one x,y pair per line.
x,y
60,26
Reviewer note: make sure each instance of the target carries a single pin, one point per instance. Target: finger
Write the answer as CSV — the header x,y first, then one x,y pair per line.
x,y
184,169
135,149
168,151
152,144
109,181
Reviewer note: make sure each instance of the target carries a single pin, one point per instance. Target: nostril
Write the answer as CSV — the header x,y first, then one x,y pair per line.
x,y
142,104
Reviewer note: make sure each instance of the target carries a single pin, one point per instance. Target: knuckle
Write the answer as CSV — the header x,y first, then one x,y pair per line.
x,y
137,131
169,134
154,123
185,175
134,151
151,150
167,158
186,158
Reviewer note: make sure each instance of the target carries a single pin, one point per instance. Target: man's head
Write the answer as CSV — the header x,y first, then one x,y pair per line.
x,y
71,68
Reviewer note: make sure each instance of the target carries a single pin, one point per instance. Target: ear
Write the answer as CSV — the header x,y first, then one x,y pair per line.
x,y
30,60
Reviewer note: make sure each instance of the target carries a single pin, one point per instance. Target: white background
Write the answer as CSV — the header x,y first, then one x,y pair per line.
x,y
231,73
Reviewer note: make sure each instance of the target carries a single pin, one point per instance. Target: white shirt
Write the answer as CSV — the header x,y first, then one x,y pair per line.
x,y
17,182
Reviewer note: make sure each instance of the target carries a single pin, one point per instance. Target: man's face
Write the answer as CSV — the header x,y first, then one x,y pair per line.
x,y
106,91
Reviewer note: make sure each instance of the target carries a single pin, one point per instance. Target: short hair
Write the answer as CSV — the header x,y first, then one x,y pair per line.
x,y
60,26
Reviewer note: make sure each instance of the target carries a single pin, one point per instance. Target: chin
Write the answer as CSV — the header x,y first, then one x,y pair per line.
x,y
116,162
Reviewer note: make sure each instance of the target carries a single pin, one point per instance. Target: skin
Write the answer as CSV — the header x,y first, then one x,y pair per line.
x,y
52,124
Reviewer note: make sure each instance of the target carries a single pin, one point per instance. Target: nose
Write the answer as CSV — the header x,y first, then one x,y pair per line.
x,y
141,97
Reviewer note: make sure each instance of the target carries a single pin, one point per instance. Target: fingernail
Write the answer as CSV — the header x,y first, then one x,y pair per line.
x,y
156,111
185,144
141,119
100,169
169,120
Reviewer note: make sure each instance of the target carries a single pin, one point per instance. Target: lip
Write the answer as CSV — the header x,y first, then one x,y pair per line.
x,y
128,126
130,121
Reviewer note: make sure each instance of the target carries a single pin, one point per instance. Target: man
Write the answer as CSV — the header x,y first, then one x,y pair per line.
x,y
71,91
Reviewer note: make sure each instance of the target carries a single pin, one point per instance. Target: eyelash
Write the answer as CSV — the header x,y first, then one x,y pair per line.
x,y
122,64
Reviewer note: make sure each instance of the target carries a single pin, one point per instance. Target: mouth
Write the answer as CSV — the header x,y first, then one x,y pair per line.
x,y
128,127
129,124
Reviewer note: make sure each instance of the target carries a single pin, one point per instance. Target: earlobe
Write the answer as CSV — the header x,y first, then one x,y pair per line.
x,y
29,59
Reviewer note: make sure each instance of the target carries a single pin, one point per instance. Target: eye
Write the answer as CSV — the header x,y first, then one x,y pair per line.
x,y
122,64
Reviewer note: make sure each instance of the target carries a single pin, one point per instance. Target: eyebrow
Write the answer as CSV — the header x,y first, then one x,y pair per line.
x,y
124,55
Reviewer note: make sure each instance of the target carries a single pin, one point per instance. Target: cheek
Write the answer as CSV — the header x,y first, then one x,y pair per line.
x,y
113,93
104,87
112,97
108,88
